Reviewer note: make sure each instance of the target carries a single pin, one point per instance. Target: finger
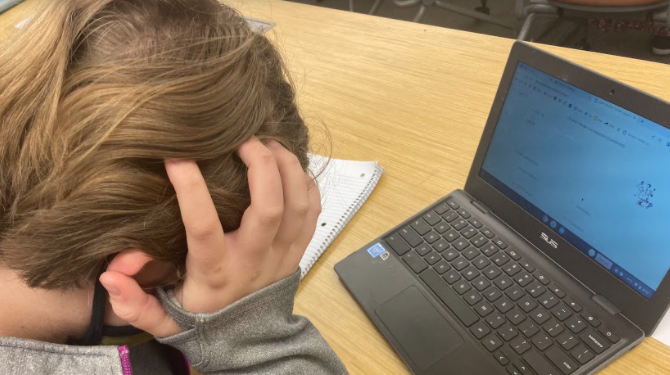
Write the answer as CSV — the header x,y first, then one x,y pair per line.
x,y
138,308
294,255
296,201
204,234
261,220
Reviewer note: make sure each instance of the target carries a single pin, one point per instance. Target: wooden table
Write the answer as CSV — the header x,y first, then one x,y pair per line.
x,y
415,98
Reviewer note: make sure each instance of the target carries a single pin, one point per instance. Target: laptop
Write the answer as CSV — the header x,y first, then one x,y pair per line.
x,y
554,259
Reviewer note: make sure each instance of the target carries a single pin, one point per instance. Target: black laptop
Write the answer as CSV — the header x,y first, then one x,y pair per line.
x,y
554,259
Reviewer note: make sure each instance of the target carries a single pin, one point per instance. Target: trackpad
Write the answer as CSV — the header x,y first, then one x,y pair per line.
x,y
424,334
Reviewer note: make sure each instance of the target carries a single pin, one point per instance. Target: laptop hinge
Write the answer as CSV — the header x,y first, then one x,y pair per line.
x,y
605,304
481,206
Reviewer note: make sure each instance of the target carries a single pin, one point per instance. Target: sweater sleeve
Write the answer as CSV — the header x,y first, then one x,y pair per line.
x,y
256,335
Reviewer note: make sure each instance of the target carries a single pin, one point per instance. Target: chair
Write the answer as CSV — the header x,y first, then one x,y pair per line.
x,y
481,13
576,9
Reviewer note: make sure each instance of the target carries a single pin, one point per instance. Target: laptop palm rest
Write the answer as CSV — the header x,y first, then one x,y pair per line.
x,y
419,328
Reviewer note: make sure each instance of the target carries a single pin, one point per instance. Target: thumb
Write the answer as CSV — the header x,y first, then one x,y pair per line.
x,y
135,306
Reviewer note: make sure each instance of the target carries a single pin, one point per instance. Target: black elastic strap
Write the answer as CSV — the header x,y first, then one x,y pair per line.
x,y
93,335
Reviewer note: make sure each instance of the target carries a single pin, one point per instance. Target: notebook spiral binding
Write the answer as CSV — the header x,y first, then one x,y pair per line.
x,y
342,222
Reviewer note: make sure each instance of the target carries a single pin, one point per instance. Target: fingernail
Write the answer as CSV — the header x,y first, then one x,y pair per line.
x,y
111,288
273,144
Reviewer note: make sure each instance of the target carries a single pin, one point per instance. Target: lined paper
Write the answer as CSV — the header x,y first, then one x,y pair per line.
x,y
344,185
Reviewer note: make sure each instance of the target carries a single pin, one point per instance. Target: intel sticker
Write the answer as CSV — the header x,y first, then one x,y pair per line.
x,y
376,250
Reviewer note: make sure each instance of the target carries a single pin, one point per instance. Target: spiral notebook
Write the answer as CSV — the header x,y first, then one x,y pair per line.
x,y
344,185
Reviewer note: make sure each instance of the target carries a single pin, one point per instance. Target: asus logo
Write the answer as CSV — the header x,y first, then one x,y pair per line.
x,y
548,240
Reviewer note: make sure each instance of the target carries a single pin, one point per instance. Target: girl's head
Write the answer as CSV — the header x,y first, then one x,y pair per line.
x,y
95,95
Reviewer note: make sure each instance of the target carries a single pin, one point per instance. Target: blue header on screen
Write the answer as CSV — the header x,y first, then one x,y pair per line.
x,y
594,173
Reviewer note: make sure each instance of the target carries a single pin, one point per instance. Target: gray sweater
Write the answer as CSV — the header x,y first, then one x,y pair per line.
x,y
256,335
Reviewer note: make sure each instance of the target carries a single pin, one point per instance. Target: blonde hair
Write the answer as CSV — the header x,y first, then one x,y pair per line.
x,y
95,95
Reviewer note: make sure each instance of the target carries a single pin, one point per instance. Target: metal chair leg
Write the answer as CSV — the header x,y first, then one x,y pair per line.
x,y
375,7
351,5
420,13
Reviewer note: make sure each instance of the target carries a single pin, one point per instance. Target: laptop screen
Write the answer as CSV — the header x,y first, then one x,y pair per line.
x,y
594,173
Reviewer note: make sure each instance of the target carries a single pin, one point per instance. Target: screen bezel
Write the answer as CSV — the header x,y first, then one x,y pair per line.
x,y
646,313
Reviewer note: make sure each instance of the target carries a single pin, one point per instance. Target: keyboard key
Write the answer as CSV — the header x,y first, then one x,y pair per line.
x,y
526,304
500,243
453,204
460,244
535,289
501,358
479,241
481,262
480,329
431,237
464,213
520,345
410,236
475,223
450,254
543,279
424,249
553,327
492,272
451,235
541,341
469,232
449,298
450,216
481,283
575,324
459,224
504,305
512,268
513,254
441,245
432,258
500,259
526,265
431,218
420,226
487,232
539,315
507,332
451,277
492,294
470,273
516,316
398,244
609,334
483,309
582,354
441,209
557,291
462,287
460,263
548,300
471,253
441,267
591,319
492,342
414,262
503,282
573,305
495,320
441,227
528,328
489,250
512,370
523,278
567,340
561,360
561,312
514,292
594,341
522,367
540,365
472,297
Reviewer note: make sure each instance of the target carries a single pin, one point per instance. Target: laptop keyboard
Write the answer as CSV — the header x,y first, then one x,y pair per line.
x,y
518,314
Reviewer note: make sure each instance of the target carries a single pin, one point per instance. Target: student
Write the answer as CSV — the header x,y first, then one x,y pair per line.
x,y
153,195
